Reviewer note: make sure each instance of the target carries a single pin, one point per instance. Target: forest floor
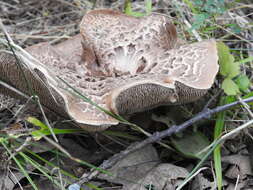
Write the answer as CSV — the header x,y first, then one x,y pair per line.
x,y
38,162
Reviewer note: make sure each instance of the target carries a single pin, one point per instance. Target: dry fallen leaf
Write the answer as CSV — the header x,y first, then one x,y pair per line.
x,y
164,176
240,166
133,167
142,169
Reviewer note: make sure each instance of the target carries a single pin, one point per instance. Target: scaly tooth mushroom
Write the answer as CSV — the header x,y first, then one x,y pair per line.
x,y
122,63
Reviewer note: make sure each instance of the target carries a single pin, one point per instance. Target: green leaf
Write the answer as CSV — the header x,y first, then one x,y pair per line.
x,y
37,123
128,7
45,130
243,82
234,70
228,68
230,87
214,6
191,144
199,20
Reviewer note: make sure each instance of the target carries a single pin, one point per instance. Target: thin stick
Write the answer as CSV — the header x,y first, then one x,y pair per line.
x,y
157,136
246,106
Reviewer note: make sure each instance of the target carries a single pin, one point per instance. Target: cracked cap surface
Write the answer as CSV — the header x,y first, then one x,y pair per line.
x,y
122,63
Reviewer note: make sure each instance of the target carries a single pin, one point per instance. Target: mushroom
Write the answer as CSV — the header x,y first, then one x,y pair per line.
x,y
122,63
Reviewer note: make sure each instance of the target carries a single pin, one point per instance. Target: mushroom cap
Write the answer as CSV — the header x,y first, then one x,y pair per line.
x,y
122,63
195,65
117,44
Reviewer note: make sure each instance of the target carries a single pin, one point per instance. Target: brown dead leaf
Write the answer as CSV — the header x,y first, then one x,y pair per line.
x,y
133,167
143,169
164,176
240,166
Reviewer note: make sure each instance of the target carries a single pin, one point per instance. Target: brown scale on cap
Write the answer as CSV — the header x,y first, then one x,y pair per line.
x,y
122,63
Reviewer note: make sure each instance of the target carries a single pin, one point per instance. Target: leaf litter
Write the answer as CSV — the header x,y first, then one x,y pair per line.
x,y
31,21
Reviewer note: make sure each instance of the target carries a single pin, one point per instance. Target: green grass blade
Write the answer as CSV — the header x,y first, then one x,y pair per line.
x,y
22,169
61,170
79,94
42,133
148,6
41,169
219,125
51,164
246,60
45,130
75,92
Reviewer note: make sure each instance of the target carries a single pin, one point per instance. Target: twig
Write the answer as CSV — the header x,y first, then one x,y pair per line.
x,y
156,137
214,97
246,106
177,128
237,181
194,32
17,181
